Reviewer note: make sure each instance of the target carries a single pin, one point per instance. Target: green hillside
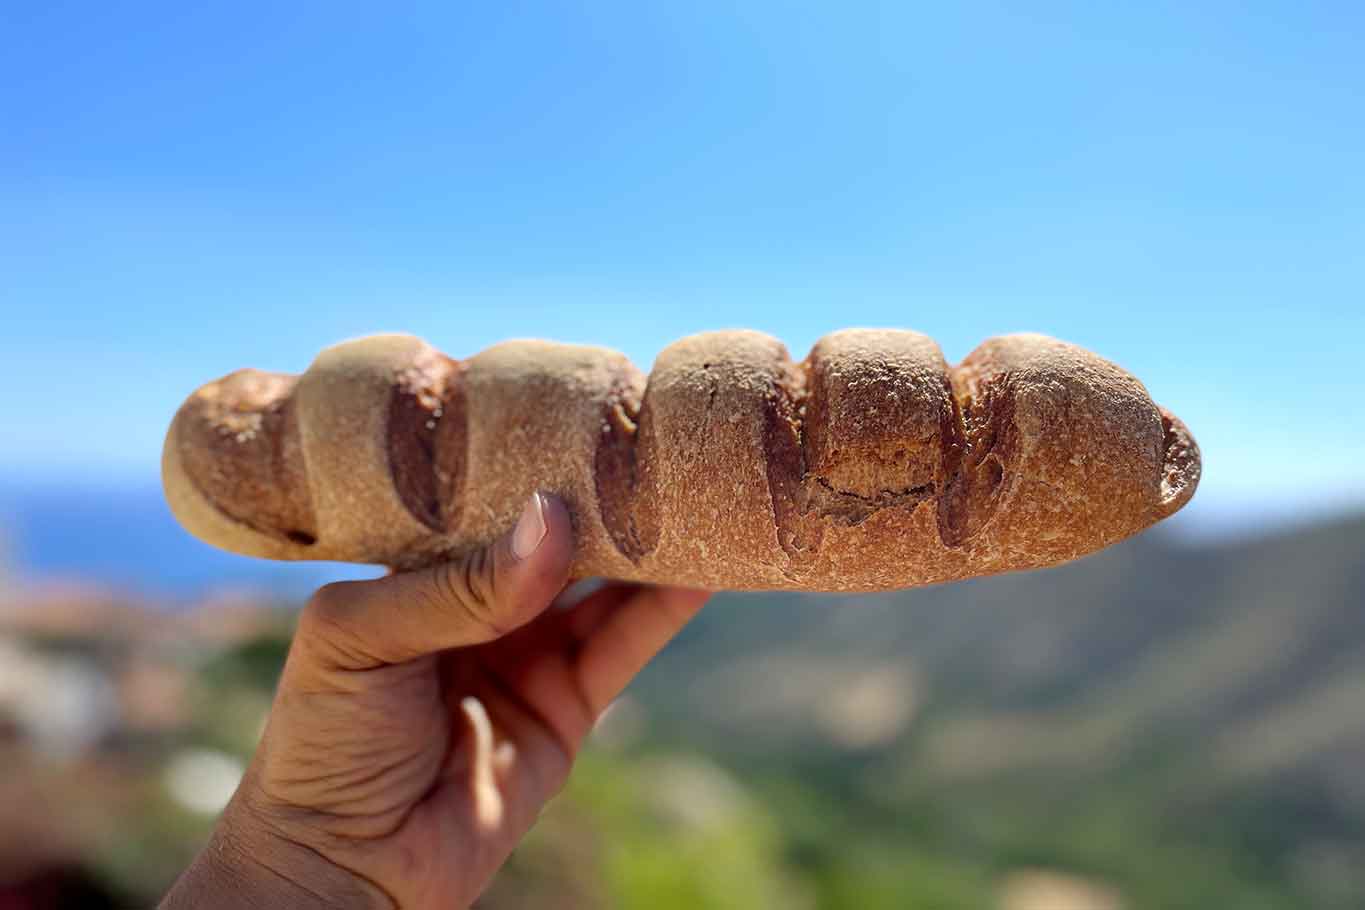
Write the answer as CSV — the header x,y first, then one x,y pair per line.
x,y
1161,725
1184,723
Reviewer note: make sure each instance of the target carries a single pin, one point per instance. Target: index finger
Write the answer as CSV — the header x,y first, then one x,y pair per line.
x,y
628,637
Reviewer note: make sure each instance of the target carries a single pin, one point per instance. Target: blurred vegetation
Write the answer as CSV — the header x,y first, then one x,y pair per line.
x,y
1160,726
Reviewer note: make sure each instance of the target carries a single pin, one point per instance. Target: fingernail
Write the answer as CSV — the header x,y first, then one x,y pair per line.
x,y
530,529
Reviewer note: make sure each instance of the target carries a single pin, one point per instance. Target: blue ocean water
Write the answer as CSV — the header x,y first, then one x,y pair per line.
x,y
127,539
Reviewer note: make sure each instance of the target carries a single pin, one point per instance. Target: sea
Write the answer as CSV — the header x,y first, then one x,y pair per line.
x,y
124,538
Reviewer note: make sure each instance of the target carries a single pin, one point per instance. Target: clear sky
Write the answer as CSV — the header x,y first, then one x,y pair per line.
x,y
1178,186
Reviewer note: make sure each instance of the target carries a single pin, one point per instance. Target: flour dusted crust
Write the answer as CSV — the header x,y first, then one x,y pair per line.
x,y
870,465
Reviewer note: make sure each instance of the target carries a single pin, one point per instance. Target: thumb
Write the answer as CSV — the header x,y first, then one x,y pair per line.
x,y
475,598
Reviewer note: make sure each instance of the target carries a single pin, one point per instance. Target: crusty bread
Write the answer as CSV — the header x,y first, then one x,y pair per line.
x,y
871,465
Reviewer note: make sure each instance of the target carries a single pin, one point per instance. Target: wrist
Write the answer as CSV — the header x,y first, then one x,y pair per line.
x,y
247,865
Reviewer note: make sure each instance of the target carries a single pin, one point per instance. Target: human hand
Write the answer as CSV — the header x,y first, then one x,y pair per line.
x,y
421,722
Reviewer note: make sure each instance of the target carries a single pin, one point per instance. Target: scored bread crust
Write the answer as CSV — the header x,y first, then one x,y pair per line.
x,y
870,465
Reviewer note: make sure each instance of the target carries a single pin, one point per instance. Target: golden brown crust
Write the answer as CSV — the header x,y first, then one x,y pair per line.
x,y
870,465
1181,464
238,444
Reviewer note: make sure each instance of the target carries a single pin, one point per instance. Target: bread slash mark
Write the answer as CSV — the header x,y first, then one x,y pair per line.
x,y
625,496
427,440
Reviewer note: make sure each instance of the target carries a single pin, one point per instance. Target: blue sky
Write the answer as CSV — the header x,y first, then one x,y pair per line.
x,y
1176,186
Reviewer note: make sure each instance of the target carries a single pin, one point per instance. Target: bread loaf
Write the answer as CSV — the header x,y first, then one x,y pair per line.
x,y
870,465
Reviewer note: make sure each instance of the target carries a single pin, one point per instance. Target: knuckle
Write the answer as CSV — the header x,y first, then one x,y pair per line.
x,y
327,600
326,626
324,615
469,585
558,778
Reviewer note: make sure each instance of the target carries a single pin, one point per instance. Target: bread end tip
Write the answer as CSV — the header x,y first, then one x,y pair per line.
x,y
1181,465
